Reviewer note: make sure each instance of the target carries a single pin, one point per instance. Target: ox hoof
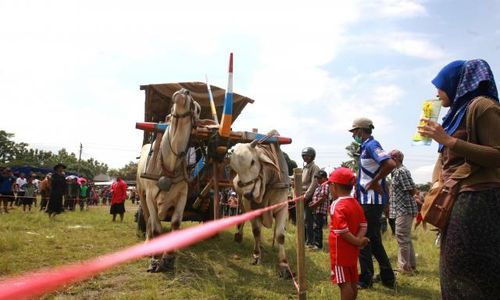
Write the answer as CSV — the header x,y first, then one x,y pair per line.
x,y
238,238
285,273
153,265
256,261
167,264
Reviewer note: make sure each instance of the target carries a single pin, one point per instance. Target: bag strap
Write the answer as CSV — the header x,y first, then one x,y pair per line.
x,y
466,169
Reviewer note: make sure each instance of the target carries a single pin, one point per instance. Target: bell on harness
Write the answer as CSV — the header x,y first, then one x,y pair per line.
x,y
164,183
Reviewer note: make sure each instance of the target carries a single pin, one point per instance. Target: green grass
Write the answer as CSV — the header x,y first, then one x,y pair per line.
x,y
215,269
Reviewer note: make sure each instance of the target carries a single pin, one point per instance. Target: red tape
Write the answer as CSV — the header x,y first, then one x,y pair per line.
x,y
43,281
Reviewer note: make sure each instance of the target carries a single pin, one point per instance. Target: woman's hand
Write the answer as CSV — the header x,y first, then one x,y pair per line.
x,y
436,132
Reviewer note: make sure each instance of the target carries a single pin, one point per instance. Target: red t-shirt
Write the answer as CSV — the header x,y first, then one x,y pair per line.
x,y
119,190
347,216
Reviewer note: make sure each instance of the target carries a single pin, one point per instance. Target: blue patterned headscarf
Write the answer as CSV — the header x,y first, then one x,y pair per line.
x,y
463,81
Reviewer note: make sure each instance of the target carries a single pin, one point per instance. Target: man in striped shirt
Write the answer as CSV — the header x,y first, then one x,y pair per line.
x,y
374,165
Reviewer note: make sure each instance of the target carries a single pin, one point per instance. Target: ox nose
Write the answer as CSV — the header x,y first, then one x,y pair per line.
x,y
249,196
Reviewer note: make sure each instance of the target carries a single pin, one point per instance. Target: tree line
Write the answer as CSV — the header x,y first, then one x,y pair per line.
x,y
14,154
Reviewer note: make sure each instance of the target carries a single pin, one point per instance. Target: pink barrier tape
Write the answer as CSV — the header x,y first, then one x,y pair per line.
x,y
43,281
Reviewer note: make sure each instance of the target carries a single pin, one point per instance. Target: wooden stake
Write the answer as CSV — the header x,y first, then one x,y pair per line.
x,y
299,210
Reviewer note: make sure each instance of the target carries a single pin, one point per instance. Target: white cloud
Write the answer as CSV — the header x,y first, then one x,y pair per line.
x,y
395,8
414,46
422,174
385,96
398,42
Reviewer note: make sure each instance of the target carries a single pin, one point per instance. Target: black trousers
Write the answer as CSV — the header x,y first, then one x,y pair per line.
x,y
319,219
373,212
308,223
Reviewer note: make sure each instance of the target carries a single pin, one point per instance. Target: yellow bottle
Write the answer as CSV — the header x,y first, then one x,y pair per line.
x,y
430,110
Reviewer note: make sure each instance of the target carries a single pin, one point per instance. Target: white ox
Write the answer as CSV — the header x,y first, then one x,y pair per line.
x,y
170,191
262,180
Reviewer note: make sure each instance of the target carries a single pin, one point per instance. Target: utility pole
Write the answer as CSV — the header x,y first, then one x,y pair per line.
x,y
79,159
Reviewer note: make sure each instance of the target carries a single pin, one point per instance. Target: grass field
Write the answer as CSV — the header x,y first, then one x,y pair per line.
x,y
215,269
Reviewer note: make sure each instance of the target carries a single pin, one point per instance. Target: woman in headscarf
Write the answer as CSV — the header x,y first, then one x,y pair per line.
x,y
469,147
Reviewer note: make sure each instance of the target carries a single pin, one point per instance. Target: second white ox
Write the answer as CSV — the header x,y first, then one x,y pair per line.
x,y
262,180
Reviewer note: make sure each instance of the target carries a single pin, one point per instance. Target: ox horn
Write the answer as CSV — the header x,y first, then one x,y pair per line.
x,y
254,143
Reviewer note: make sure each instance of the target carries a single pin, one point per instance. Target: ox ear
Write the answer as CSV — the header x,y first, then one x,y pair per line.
x,y
254,143
264,158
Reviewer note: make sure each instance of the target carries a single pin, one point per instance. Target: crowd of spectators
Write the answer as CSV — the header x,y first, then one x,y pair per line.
x,y
18,190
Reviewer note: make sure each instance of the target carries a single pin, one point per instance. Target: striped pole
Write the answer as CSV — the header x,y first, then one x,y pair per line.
x,y
227,114
212,102
151,126
236,136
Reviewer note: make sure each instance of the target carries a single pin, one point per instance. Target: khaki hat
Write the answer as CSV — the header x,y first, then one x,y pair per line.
x,y
362,123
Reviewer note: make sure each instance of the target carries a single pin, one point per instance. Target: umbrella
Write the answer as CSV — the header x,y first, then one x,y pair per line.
x,y
71,177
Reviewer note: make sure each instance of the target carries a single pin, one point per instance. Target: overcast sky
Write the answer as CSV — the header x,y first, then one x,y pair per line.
x,y
70,71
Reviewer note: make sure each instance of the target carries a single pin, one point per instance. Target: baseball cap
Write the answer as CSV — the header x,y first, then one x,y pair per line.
x,y
362,123
342,176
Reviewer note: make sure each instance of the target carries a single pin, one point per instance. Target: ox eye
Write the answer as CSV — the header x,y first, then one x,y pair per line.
x,y
252,162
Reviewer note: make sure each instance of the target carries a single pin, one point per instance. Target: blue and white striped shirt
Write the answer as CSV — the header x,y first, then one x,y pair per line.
x,y
372,155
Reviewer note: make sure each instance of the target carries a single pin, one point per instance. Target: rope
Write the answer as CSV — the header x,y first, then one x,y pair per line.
x,y
37,283
295,283
18,197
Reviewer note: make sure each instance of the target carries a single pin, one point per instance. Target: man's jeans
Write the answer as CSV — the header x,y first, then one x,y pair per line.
x,y
373,212
318,230
309,232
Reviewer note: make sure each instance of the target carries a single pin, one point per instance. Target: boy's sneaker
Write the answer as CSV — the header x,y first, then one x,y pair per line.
x,y
315,248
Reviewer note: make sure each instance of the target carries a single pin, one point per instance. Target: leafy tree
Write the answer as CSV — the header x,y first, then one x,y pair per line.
x,y
19,154
425,187
353,153
291,163
128,172
10,151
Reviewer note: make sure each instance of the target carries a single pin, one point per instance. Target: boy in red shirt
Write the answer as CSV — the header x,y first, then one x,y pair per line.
x,y
347,233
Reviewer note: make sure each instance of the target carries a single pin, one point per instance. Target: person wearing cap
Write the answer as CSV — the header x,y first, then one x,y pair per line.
x,y
347,232
319,208
309,185
57,191
404,207
371,191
